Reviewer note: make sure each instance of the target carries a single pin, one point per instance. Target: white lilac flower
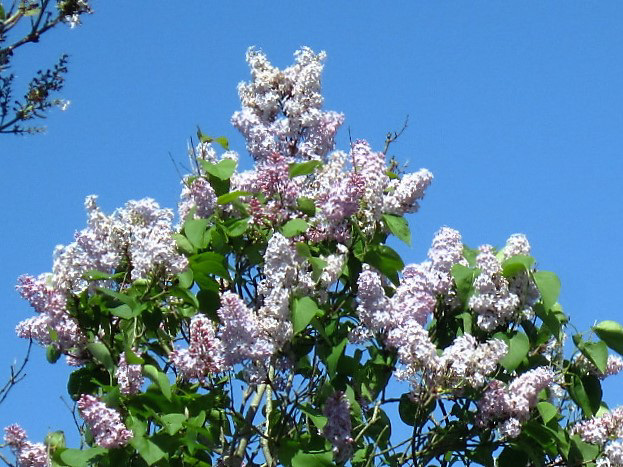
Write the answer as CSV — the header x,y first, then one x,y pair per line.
x,y
405,193
446,251
599,430
517,244
198,194
27,453
240,334
129,376
493,302
614,365
508,406
104,423
53,324
204,354
338,428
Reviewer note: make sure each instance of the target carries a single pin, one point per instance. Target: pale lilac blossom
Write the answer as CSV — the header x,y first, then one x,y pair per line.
x,y
104,423
204,355
338,427
27,453
129,376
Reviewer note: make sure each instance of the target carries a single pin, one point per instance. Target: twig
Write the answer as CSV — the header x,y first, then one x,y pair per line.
x,y
16,375
391,137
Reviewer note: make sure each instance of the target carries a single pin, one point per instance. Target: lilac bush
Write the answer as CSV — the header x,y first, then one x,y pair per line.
x,y
274,325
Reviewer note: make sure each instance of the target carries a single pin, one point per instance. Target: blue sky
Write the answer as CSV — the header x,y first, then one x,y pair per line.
x,y
515,107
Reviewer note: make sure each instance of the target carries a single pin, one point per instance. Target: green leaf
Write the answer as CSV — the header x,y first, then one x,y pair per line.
x,y
547,411
549,286
185,279
173,422
303,168
123,311
596,352
101,353
183,244
586,392
222,170
407,410
318,266
386,260
334,356
581,453
80,458
294,227
52,353
159,378
464,279
238,227
313,459
209,263
2,13
518,347
194,229
315,416
231,196
148,450
223,142
398,226
303,311
611,333
516,264
306,205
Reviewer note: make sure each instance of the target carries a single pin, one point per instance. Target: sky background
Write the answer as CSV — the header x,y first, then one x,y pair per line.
x,y
516,107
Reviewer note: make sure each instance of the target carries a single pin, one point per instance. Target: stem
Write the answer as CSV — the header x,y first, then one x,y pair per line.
x,y
255,403
269,408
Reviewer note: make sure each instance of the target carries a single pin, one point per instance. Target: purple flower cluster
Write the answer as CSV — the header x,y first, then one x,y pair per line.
x,y
240,333
104,423
129,376
204,354
338,427
28,454
508,406
52,325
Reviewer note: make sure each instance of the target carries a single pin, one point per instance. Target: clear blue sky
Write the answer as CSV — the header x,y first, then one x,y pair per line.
x,y
516,107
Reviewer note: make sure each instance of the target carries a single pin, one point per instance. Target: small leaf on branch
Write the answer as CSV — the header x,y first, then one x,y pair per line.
x,y
398,226
306,205
223,170
303,311
102,355
231,196
303,168
294,227
549,286
611,333
386,260
78,457
195,229
595,352
518,347
516,264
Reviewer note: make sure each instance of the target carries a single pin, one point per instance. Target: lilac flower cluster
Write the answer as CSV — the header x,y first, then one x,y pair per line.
x,y
129,376
401,318
614,366
240,334
27,453
140,232
338,428
281,109
52,325
104,423
204,354
607,432
508,406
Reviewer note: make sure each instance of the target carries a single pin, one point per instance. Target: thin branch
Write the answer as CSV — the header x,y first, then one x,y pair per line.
x,y
391,137
17,374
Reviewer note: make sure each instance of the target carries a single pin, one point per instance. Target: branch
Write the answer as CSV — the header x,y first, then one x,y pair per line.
x,y
17,374
391,137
